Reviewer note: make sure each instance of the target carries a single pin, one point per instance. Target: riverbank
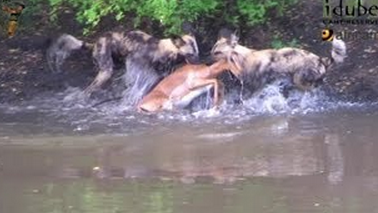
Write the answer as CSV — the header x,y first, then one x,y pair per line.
x,y
24,72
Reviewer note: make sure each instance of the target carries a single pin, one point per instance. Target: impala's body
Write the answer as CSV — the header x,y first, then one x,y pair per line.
x,y
186,83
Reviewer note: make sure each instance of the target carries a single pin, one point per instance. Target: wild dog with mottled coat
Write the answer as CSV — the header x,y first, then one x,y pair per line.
x,y
304,68
135,46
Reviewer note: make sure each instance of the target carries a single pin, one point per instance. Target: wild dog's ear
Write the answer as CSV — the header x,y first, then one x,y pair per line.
x,y
224,33
178,41
224,37
187,28
234,39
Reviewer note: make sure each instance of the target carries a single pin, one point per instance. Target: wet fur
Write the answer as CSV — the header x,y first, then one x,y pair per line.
x,y
305,69
137,47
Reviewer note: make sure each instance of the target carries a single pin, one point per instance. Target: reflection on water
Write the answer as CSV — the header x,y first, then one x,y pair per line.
x,y
320,162
269,155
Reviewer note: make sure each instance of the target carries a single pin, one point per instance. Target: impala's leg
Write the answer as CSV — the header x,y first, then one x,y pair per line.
x,y
199,83
102,54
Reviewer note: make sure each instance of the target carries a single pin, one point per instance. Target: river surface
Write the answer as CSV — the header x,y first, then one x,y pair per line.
x,y
270,155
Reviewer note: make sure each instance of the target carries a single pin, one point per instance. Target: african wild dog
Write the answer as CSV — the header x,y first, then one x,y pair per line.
x,y
304,68
135,47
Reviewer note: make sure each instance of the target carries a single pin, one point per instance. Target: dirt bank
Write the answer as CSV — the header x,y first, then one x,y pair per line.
x,y
24,73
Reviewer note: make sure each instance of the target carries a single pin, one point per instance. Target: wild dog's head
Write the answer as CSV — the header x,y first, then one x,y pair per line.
x,y
226,44
227,48
187,45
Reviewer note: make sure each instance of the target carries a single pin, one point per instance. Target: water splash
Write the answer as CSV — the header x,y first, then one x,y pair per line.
x,y
271,100
67,113
60,50
139,79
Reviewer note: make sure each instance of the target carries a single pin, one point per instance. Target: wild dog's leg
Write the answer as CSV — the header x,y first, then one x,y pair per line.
x,y
198,83
102,53
306,79
100,79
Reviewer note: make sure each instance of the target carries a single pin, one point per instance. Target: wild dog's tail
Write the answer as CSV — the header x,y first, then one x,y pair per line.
x,y
61,48
339,50
338,53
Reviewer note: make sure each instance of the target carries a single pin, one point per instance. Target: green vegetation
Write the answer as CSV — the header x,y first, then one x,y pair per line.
x,y
278,43
169,14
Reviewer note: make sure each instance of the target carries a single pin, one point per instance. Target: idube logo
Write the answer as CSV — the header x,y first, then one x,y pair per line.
x,y
356,12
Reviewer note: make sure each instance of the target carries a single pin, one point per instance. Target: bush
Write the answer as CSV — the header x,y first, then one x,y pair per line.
x,y
278,43
169,14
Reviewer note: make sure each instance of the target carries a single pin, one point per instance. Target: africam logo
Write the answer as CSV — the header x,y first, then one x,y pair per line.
x,y
350,12
329,35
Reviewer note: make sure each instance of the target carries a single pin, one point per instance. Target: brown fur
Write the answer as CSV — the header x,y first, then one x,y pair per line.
x,y
186,83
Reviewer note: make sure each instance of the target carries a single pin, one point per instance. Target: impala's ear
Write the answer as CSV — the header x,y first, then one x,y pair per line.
x,y
236,60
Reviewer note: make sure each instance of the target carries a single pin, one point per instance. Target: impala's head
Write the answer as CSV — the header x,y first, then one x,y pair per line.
x,y
235,63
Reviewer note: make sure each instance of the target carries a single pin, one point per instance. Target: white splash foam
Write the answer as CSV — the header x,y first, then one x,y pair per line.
x,y
271,100
139,79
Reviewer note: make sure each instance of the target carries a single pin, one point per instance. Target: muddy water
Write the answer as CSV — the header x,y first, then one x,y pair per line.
x,y
58,156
